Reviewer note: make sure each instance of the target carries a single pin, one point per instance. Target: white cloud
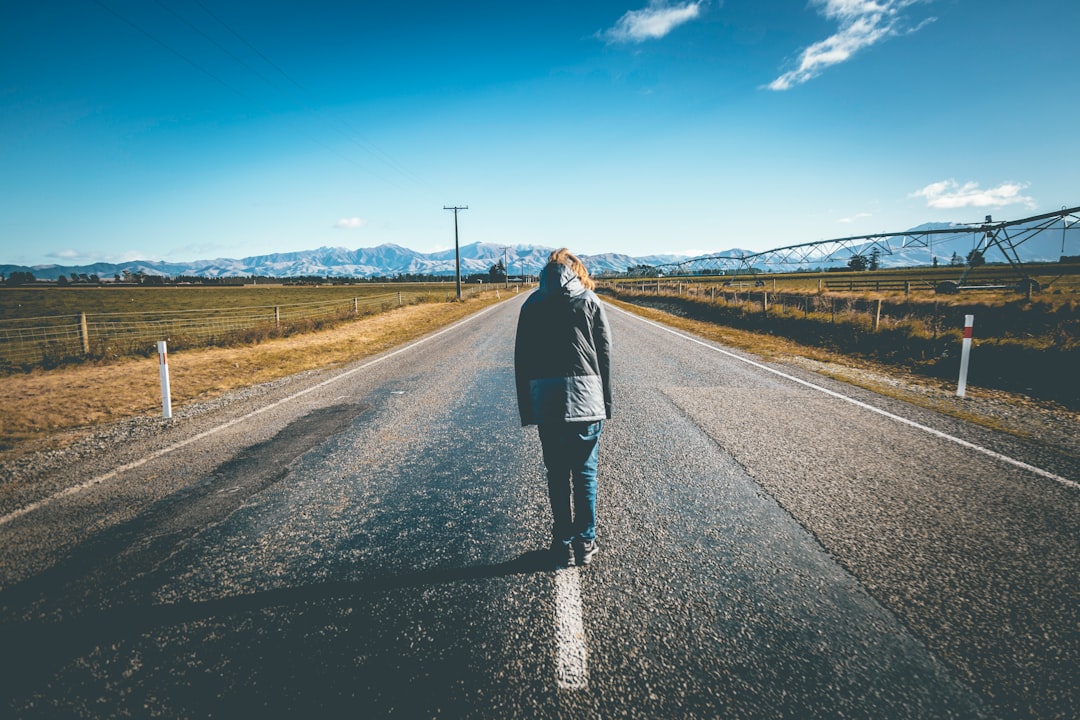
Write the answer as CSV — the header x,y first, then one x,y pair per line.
x,y
350,223
70,256
66,254
863,23
655,21
857,216
130,256
949,195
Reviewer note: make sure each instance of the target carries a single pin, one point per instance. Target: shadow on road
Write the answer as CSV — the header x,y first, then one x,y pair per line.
x,y
57,643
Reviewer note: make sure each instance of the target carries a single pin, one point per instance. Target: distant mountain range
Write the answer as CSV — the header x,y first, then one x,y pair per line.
x,y
393,260
382,261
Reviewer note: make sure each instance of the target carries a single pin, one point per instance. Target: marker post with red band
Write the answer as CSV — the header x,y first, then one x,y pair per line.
x,y
965,355
163,366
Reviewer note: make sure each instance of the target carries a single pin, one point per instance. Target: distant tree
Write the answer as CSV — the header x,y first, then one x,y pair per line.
x,y
858,263
641,271
497,273
956,260
975,258
20,277
935,261
875,259
61,280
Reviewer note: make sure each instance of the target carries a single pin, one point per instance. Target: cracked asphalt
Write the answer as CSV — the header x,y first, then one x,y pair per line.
x,y
368,542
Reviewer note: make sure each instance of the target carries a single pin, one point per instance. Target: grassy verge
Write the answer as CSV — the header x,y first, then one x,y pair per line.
x,y
1028,348
42,403
1012,413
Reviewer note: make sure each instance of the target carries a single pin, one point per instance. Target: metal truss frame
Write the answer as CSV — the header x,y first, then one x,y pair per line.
x,y
1005,236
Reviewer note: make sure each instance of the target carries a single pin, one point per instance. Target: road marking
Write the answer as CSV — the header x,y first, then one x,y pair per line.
x,y
865,406
76,489
571,648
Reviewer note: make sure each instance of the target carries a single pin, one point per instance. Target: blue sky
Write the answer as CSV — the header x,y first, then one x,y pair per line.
x,y
195,129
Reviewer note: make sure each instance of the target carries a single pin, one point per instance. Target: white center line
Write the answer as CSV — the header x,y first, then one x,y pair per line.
x,y
865,406
571,648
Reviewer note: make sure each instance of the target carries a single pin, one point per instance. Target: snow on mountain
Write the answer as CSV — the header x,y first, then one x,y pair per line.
x,y
383,261
390,260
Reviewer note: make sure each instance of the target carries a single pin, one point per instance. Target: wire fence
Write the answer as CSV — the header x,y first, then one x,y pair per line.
x,y
49,341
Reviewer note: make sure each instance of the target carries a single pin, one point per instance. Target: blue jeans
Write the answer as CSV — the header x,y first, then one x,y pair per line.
x,y
571,452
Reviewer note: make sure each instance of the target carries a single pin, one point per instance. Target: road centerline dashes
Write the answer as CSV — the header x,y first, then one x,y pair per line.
x,y
571,647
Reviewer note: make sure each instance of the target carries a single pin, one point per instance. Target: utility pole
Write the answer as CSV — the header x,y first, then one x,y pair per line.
x,y
457,251
506,270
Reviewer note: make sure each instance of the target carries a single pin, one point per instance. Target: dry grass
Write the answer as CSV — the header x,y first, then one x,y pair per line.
x,y
766,346
979,408
41,403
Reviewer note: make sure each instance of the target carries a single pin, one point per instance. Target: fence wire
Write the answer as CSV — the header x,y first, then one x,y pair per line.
x,y
51,340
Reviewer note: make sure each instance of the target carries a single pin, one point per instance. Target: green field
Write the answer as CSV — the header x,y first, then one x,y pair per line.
x,y
1059,282
44,327
1021,345
23,302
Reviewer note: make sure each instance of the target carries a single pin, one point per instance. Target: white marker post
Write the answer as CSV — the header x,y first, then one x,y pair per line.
x,y
965,355
163,366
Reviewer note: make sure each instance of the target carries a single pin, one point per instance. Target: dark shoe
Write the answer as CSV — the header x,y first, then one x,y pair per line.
x,y
585,551
562,553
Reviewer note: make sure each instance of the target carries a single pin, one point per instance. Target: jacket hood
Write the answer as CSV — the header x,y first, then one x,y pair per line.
x,y
558,279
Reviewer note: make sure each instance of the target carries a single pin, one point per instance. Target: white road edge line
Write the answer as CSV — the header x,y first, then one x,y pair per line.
x,y
76,489
571,648
865,406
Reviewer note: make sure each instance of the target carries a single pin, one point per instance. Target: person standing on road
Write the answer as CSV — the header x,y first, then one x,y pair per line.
x,y
562,364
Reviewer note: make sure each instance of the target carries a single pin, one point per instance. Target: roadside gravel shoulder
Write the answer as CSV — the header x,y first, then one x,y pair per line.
x,y
36,468
47,465
1024,417
1038,421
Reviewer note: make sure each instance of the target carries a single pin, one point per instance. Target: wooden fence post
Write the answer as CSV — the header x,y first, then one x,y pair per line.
x,y
84,334
877,316
277,316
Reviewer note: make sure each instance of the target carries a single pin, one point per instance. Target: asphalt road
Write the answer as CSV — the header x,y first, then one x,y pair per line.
x,y
369,543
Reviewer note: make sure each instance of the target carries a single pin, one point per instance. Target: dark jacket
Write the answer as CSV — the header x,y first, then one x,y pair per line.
x,y
562,356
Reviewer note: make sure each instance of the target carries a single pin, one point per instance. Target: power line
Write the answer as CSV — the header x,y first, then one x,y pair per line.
x,y
177,53
350,133
216,44
365,145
